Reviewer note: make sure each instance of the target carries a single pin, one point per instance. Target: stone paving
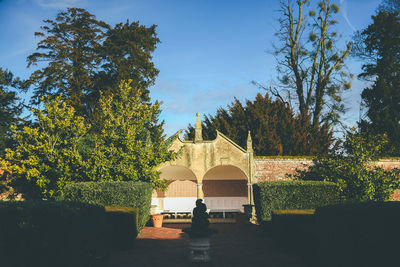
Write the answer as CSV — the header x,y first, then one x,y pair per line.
x,y
233,245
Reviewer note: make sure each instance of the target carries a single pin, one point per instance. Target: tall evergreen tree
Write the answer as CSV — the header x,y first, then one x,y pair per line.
x,y
380,48
69,46
390,5
86,56
275,129
126,54
10,108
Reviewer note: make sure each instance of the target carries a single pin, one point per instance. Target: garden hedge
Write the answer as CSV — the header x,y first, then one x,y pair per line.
x,y
293,229
359,234
280,195
125,194
44,233
124,226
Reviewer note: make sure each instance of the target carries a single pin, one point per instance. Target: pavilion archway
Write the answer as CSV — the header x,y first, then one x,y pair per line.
x,y
181,193
225,188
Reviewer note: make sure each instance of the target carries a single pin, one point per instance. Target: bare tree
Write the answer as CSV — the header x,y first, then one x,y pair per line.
x,y
309,62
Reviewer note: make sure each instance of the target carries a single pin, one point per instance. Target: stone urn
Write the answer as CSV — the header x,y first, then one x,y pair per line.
x,y
199,234
248,210
157,220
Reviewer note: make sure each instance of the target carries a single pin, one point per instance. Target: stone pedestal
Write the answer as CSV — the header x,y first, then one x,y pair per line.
x,y
199,249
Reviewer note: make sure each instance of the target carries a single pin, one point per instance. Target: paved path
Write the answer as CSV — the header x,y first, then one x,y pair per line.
x,y
233,245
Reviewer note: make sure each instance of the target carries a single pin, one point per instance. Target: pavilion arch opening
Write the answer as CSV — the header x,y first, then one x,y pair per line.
x,y
225,189
181,193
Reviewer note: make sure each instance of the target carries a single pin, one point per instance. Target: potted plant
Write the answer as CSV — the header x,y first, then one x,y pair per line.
x,y
157,220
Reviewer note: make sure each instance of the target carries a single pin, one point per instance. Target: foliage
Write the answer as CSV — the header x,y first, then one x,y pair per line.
x,y
294,212
390,5
43,233
351,169
309,64
274,195
129,144
87,56
10,109
126,54
274,128
124,225
46,157
69,45
290,229
126,194
379,47
358,234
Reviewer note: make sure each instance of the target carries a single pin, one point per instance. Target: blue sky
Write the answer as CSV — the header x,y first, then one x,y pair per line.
x,y
210,50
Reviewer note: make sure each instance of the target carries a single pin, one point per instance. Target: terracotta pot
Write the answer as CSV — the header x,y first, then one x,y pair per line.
x,y
157,220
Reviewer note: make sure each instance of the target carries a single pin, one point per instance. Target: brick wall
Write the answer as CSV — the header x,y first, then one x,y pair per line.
x,y
388,164
273,169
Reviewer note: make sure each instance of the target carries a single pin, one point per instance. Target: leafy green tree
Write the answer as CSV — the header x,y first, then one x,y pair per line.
x,y
275,129
311,69
352,169
46,157
379,47
86,56
130,143
10,108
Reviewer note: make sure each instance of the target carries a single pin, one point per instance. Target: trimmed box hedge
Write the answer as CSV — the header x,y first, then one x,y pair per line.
x,y
291,229
358,234
290,213
124,226
44,233
125,194
279,195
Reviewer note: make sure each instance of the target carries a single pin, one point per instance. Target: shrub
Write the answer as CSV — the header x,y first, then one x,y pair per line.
x,y
274,195
350,167
293,229
359,234
289,213
125,194
124,225
44,233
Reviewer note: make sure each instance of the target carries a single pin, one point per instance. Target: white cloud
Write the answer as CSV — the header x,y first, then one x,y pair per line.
x,y
59,3
343,7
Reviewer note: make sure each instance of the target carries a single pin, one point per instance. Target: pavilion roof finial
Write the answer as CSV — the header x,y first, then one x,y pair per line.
x,y
198,137
249,143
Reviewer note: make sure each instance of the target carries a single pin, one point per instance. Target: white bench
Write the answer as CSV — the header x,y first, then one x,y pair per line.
x,y
224,211
176,212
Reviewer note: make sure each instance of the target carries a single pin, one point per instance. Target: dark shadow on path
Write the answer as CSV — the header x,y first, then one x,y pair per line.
x,y
233,245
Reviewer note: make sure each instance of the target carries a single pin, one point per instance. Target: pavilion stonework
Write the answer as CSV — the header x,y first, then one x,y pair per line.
x,y
222,173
